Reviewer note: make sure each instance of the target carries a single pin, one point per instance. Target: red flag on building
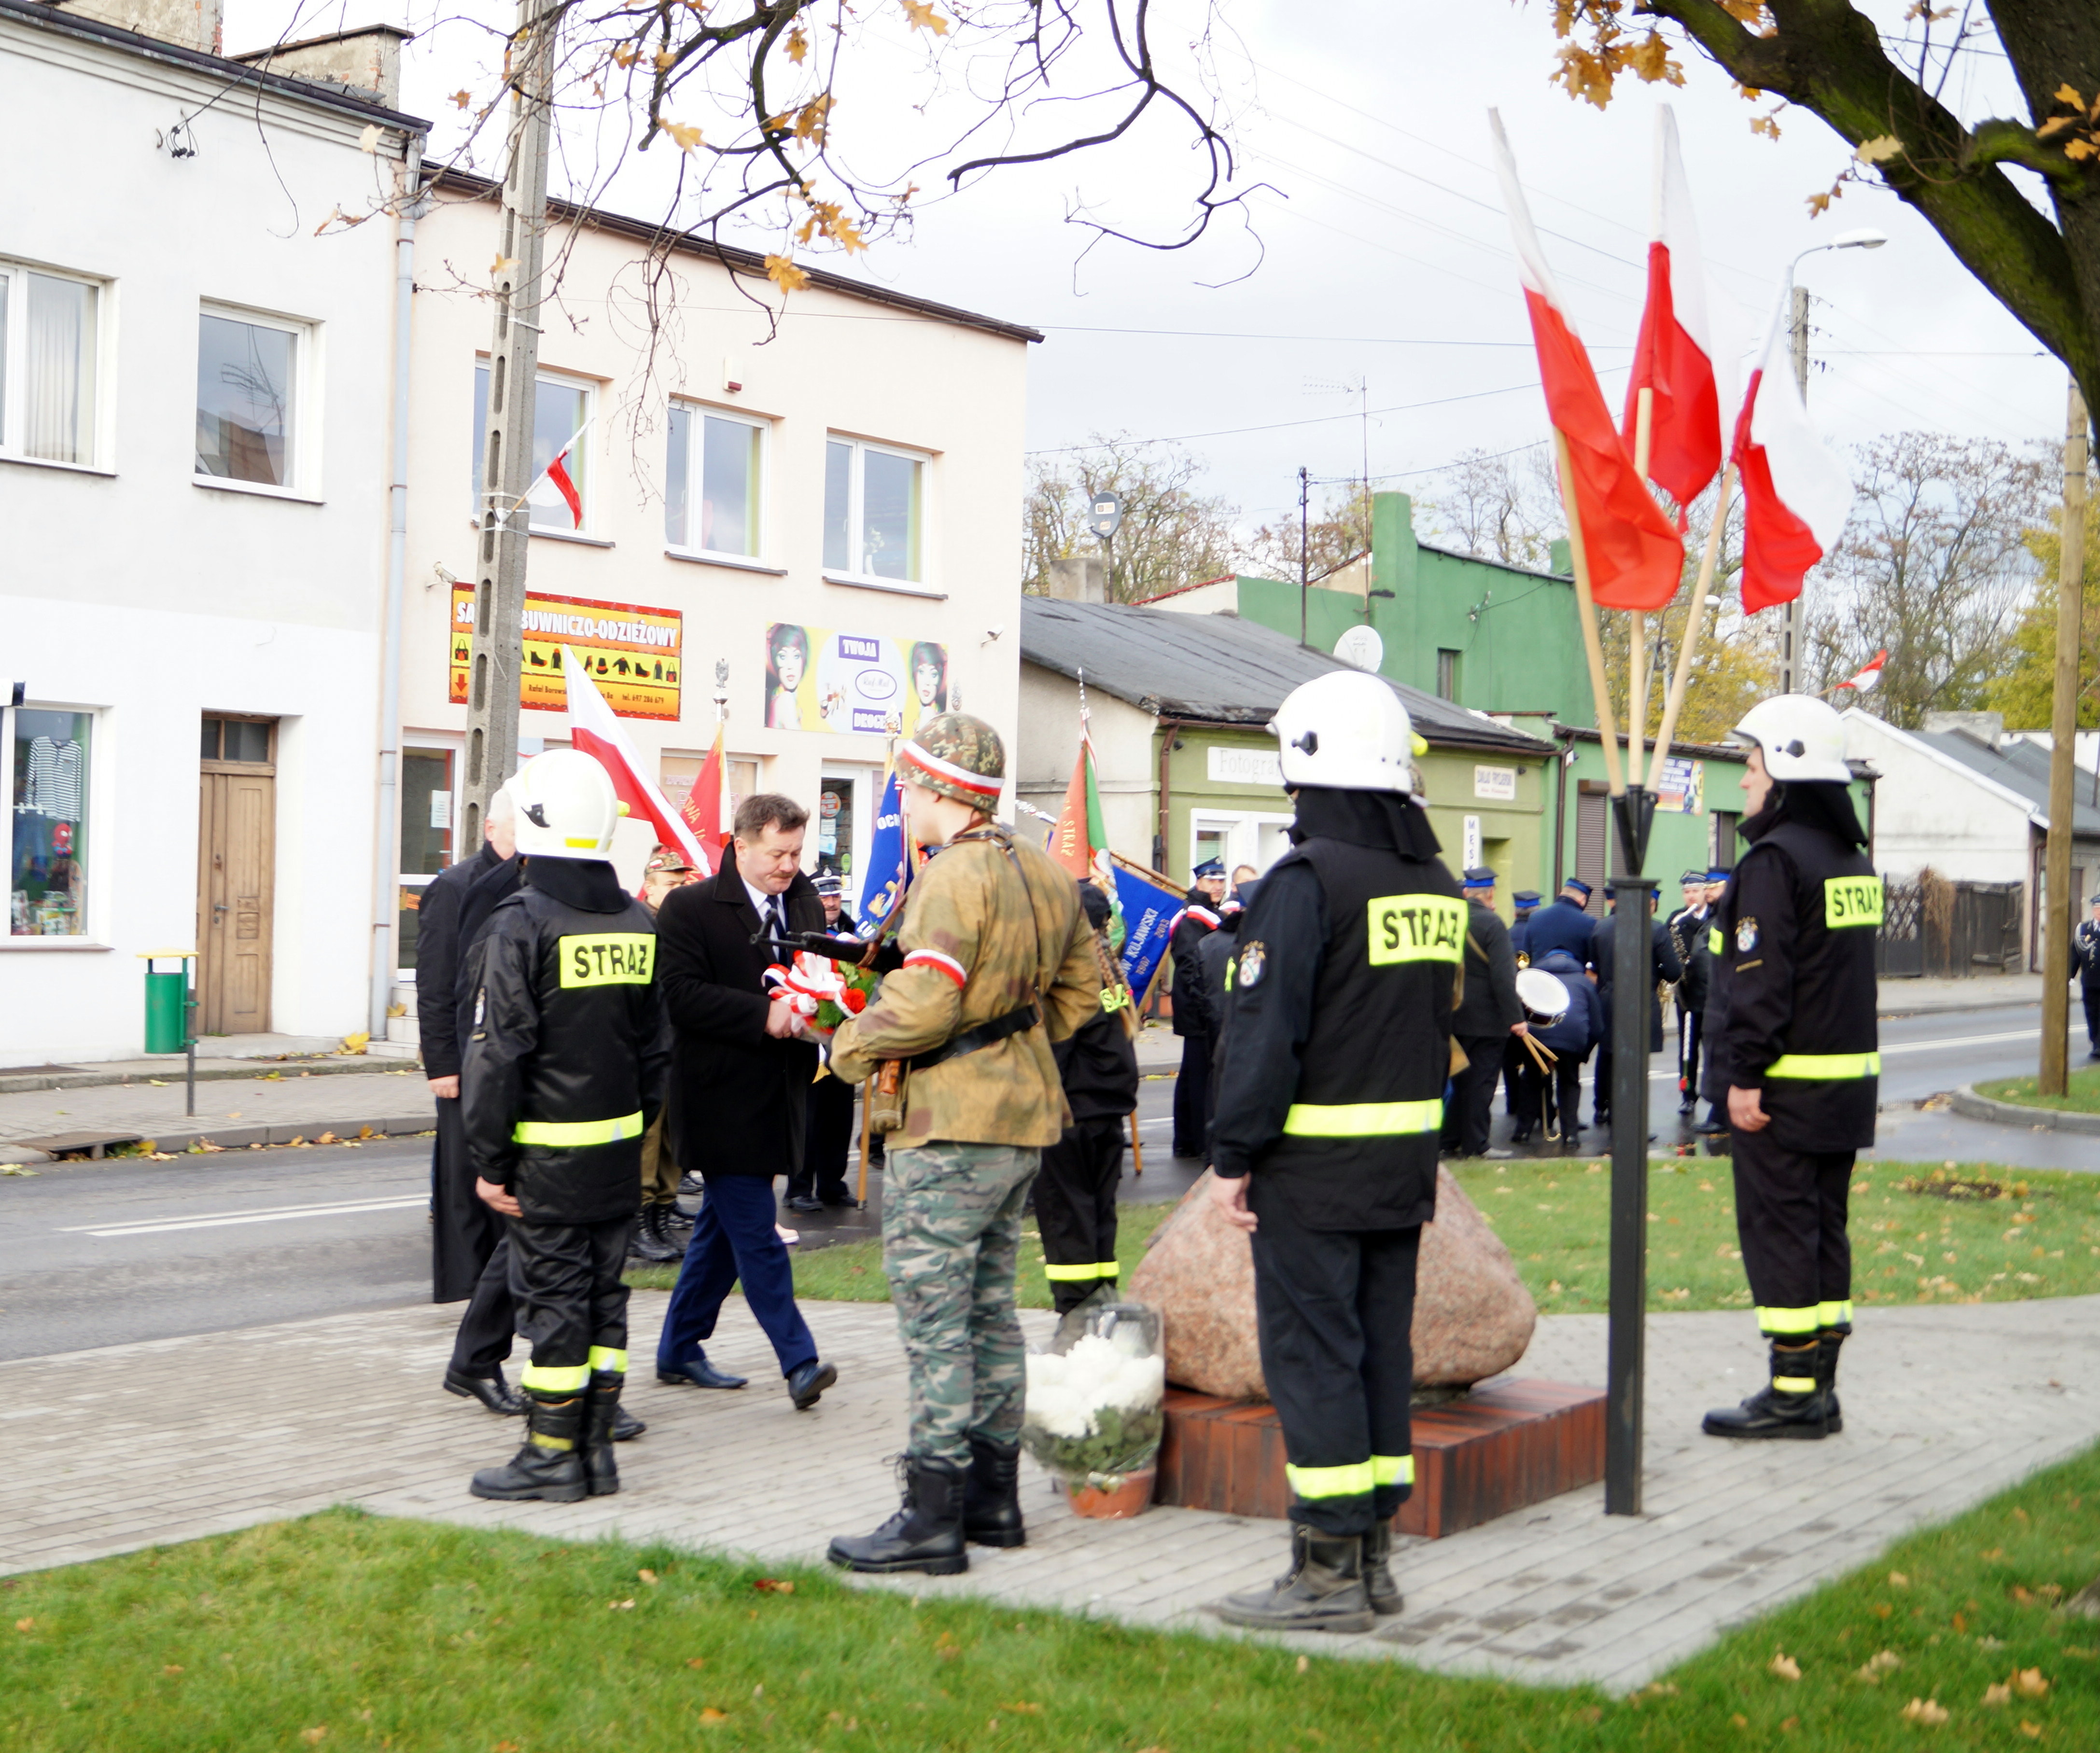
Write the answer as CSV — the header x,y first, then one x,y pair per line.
x,y
708,808
1674,356
1635,559
593,729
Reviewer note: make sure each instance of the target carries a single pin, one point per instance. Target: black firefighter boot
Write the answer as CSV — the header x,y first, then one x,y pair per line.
x,y
1829,1343
650,1243
1322,1591
991,1498
1790,1408
1384,1593
550,1466
926,1533
601,1415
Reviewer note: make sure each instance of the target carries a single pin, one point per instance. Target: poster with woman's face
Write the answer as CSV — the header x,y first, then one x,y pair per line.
x,y
862,684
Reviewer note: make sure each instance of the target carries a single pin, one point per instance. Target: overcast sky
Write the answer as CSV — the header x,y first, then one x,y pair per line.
x,y
1383,254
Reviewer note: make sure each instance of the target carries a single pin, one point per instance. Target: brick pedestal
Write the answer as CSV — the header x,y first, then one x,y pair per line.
x,y
1504,1445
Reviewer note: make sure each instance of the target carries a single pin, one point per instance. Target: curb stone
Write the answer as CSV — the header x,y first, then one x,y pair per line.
x,y
241,1138
27,1083
1966,1101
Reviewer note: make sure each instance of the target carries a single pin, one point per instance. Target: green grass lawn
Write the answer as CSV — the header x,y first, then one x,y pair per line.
x,y
347,1632
1921,1233
2084,1097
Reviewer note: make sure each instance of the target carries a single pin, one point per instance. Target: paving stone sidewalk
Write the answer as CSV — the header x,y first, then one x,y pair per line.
x,y
347,1409
253,1108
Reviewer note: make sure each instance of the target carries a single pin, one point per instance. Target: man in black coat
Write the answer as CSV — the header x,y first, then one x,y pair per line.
x,y
1212,956
819,1178
1192,1087
465,1235
740,1072
1662,965
1562,924
1488,1016
1689,927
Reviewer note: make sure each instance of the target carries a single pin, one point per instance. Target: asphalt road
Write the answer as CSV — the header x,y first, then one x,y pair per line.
x,y
103,1253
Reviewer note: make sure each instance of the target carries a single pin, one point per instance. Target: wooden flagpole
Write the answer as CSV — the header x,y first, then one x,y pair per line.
x,y
1690,643
867,1116
1586,603
1636,682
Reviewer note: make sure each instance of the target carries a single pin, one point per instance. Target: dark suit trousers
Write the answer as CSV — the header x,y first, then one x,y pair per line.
x,y
484,1340
734,1238
1469,1114
1192,1099
2090,991
826,1144
464,1231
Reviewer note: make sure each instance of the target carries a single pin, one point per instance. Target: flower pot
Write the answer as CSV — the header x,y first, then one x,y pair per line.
x,y
1130,1499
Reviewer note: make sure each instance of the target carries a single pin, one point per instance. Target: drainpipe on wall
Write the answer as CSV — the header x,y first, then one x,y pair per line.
x,y
386,858
1169,732
1561,743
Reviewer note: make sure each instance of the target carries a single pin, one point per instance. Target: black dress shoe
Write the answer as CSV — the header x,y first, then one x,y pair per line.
x,y
806,1384
690,1186
803,1202
494,1393
626,1427
841,1200
697,1373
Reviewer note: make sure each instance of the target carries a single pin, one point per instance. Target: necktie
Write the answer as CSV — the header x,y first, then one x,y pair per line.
x,y
776,922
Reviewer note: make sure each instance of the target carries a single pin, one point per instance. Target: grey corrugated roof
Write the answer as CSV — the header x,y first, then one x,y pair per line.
x,y
2021,767
1219,668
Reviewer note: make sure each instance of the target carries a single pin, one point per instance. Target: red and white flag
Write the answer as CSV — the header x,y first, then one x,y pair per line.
x,y
1796,494
1635,558
593,729
708,809
554,485
1676,357
1869,677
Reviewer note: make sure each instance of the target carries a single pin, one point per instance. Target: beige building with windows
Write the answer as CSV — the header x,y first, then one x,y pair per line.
x,y
812,528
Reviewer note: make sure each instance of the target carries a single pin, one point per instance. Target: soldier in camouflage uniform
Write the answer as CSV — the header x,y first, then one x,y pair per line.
x,y
997,963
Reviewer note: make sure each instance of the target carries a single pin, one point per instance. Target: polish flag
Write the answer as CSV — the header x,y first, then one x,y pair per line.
x,y
556,475
1796,495
1635,558
1869,677
1675,356
593,729
708,808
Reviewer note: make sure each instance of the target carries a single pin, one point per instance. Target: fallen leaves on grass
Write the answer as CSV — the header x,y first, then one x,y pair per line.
x,y
1887,1662
2029,1684
26,1625
1897,1579
711,1718
2032,1731
1022,1708
619,1606
1305,1664
171,1667
768,1585
1997,1692
648,1576
504,1746
696,1661
315,1736
1930,1711
1785,1666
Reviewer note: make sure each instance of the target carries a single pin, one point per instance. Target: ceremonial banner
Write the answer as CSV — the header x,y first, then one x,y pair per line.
x,y
633,655
1149,914
851,684
888,861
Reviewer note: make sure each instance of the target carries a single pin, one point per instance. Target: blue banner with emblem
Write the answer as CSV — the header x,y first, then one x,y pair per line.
x,y
1148,913
888,861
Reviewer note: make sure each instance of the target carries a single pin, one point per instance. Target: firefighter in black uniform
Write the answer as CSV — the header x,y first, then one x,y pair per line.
x,y
1792,1053
564,1071
2086,964
1192,1086
1075,1189
1336,1049
1689,934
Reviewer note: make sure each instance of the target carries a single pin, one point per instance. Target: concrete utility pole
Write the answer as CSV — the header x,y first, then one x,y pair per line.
x,y
2061,905
1789,630
498,653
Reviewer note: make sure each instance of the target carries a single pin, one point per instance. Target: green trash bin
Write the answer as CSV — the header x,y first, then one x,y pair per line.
x,y
167,1001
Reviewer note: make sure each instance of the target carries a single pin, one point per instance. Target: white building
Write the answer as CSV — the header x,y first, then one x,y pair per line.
x,y
193,481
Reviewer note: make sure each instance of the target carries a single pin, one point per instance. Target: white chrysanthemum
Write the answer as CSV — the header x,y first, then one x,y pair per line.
x,y
1065,1394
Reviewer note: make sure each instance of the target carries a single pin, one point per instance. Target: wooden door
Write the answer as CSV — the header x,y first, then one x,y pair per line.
x,y
236,847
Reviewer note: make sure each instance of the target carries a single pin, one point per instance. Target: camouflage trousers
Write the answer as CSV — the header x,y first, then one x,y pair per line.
x,y
951,1244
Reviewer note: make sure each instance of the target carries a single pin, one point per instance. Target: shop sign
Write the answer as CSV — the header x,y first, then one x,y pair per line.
x,y
634,654
1682,789
1232,766
1495,784
851,684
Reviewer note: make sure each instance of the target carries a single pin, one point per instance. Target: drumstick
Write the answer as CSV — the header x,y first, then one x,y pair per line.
x,y
1542,1055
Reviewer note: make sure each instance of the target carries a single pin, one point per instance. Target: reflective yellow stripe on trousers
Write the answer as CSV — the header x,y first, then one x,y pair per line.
x,y
1829,1067
1363,1119
570,1133
1358,1479
1075,1274
1790,1322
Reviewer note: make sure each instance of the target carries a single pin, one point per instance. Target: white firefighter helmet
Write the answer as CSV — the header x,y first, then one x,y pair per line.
x,y
1803,738
1348,731
565,806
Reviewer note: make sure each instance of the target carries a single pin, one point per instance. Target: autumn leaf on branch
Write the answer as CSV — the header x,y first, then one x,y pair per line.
x,y
462,100
924,17
686,137
798,45
781,271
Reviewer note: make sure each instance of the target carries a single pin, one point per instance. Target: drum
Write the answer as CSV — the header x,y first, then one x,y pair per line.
x,y
1544,998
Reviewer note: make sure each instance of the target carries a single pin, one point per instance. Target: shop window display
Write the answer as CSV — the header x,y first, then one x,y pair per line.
x,y
47,864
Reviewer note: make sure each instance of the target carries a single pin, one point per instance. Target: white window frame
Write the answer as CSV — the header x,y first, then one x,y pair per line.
x,y
587,531
92,937
305,480
1242,828
14,380
763,517
856,495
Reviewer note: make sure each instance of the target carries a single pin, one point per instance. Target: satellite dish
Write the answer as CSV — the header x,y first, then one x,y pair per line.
x,y
1360,648
1105,515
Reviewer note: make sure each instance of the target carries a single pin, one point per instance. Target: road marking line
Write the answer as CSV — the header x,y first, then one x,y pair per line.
x,y
217,1220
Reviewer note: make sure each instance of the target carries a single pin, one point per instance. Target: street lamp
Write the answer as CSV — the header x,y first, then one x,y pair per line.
x,y
1796,308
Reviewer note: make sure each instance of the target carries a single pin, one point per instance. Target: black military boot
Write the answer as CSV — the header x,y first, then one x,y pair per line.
x,y
1384,1593
926,1533
650,1243
601,1469
1323,1591
550,1466
1829,1343
991,1499
1791,1407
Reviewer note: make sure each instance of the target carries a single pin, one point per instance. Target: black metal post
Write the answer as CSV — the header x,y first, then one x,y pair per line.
x,y
1632,993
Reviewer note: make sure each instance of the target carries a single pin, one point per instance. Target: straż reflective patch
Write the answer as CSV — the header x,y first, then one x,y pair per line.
x,y
1253,958
1746,936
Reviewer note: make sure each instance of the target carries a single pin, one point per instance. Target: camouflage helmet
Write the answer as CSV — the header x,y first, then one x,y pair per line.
x,y
956,755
